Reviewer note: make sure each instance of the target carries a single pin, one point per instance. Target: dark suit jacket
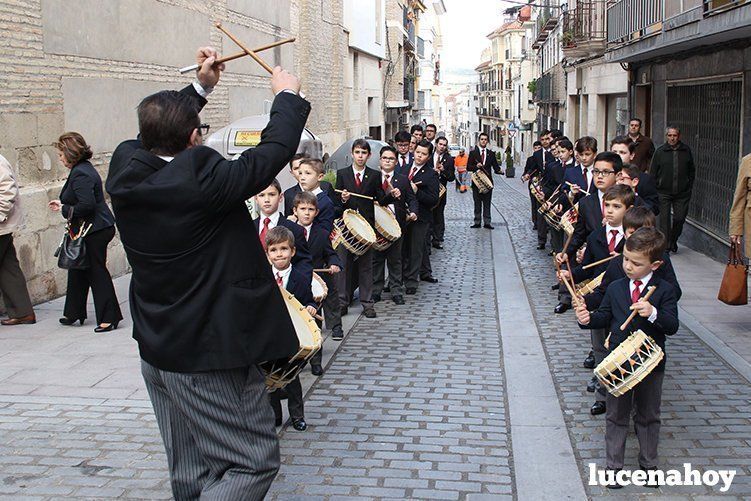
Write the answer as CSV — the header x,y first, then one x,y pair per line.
x,y
322,252
574,176
490,165
531,168
597,248
448,174
615,309
370,186
291,193
590,219
406,202
299,286
615,271
647,190
404,170
202,294
541,159
302,260
82,197
427,193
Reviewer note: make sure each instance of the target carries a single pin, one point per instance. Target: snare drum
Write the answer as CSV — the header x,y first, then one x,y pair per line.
x,y
481,181
280,373
354,232
629,363
536,190
319,289
387,228
441,194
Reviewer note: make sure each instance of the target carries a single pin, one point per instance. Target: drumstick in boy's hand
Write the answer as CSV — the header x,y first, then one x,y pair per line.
x,y
582,314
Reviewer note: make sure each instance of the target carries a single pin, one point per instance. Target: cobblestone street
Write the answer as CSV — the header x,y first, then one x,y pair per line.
x,y
427,401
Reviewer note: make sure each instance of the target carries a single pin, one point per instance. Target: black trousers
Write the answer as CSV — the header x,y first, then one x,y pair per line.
x,y
12,281
391,258
355,266
534,205
542,229
679,205
293,391
96,277
482,205
439,220
414,248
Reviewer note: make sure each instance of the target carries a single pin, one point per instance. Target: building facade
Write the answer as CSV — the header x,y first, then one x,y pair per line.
x,y
689,63
550,87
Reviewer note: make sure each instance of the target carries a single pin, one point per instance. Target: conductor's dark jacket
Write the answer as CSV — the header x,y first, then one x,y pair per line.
x,y
202,294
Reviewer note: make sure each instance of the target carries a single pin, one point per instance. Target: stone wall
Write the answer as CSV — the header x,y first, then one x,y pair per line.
x,y
84,65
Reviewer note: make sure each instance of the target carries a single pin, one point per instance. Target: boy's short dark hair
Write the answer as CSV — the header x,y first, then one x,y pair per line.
x,y
362,144
425,144
441,138
432,126
621,140
305,197
483,134
586,143
565,143
298,156
275,184
632,170
620,192
556,133
536,143
638,217
414,128
279,235
314,164
402,137
649,241
614,159
388,148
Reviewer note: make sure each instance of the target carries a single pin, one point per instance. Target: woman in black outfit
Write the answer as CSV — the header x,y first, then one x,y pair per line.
x,y
82,200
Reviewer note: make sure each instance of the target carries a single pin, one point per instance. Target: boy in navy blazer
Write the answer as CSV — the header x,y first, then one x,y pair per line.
x,y
289,194
324,257
658,318
404,157
280,248
270,217
310,179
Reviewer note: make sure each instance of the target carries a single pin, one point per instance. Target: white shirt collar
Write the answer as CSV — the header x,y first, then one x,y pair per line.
x,y
272,224
384,174
609,228
362,171
317,191
644,282
166,158
284,274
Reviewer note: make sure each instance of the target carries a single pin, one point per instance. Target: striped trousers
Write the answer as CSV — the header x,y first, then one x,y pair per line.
x,y
218,432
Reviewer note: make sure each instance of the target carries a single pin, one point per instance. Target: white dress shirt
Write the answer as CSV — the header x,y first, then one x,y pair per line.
x,y
644,281
307,231
317,190
272,224
284,274
608,233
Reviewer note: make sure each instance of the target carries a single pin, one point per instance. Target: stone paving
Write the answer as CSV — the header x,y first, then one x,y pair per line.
x,y
412,405
706,405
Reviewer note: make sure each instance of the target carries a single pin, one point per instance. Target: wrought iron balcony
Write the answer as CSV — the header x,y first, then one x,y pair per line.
x,y
547,20
544,89
629,20
584,30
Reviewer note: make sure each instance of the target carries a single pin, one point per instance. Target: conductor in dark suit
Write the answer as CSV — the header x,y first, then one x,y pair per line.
x,y
482,158
206,308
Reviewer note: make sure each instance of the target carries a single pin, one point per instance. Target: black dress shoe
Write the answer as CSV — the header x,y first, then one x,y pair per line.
x,y
110,327
278,421
369,313
398,299
592,385
562,308
316,370
299,424
429,279
476,225
540,246
613,484
589,362
337,334
674,249
344,311
411,291
489,226
387,289
375,297
437,245
555,287
597,408
71,321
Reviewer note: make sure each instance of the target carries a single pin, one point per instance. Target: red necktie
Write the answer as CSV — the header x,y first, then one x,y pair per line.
x,y
483,156
611,243
385,184
404,161
637,292
305,233
412,173
279,279
265,230
358,182
586,179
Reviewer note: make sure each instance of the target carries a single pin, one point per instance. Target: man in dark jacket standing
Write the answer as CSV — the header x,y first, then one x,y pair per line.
x,y
673,171
206,307
644,148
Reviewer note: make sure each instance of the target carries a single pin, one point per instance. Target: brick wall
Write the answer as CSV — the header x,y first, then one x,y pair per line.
x,y
84,64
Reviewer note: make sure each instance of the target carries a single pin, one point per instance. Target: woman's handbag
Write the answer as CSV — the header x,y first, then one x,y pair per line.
x,y
71,254
734,287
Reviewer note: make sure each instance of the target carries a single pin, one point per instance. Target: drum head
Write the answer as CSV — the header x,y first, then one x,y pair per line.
x,y
359,226
308,333
386,221
318,287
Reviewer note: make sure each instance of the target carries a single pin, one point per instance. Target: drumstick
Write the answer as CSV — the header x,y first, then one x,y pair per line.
x,y
571,291
568,241
597,263
246,49
650,290
322,270
240,54
586,192
355,194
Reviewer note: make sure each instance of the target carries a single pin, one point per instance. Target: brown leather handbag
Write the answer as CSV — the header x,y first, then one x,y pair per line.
x,y
734,287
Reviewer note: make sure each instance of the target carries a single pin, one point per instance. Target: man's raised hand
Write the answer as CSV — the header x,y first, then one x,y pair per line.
x,y
208,74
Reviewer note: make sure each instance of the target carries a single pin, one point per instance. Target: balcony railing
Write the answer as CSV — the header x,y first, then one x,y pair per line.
x,y
714,6
544,89
584,27
546,21
632,19
409,91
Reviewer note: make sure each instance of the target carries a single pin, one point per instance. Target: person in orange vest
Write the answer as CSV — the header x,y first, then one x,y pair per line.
x,y
460,162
